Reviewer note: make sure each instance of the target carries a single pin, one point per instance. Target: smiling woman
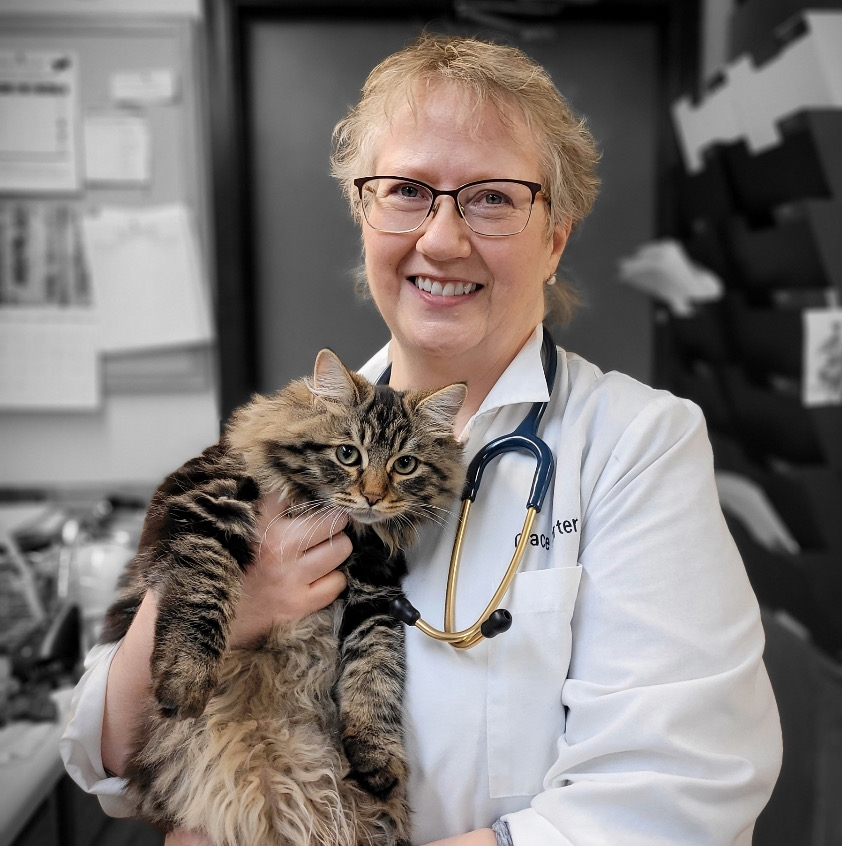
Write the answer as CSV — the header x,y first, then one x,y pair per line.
x,y
628,703
444,138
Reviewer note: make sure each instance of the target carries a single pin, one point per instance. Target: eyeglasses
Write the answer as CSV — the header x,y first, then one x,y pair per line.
x,y
489,207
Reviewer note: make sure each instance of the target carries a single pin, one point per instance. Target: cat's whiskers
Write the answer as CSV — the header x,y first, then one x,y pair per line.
x,y
291,511
329,511
320,510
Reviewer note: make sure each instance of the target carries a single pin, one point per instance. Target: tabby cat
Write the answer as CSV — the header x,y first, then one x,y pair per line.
x,y
296,739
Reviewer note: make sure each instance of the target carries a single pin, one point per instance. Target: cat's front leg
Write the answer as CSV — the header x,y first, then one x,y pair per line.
x,y
205,547
190,636
370,698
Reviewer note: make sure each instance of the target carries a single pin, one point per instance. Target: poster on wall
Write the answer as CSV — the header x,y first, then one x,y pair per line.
x,y
39,118
48,327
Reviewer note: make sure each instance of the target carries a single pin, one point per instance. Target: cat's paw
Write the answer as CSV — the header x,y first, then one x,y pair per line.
x,y
182,687
376,770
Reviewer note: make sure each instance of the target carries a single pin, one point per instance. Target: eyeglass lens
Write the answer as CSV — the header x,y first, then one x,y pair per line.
x,y
496,207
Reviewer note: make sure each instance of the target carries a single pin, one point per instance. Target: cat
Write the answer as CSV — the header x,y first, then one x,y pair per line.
x,y
297,738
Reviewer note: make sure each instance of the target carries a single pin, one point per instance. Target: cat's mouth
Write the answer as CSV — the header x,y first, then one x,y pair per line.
x,y
369,516
449,289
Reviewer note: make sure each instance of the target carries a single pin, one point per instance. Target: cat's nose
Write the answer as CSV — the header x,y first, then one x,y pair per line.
x,y
371,497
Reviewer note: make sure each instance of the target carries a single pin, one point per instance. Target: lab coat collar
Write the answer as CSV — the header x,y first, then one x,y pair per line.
x,y
522,381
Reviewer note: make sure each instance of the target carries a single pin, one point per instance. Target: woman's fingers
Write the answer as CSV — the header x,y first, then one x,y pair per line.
x,y
292,538
294,572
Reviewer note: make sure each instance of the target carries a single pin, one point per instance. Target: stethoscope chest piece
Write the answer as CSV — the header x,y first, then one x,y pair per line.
x,y
493,620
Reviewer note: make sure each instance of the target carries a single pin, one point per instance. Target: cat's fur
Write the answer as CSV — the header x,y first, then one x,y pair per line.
x,y
296,740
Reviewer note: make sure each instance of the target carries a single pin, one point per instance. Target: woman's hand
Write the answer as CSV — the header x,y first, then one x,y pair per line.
x,y
294,573
182,837
480,837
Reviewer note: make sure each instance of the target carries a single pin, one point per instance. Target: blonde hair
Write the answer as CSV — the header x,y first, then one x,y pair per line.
x,y
491,73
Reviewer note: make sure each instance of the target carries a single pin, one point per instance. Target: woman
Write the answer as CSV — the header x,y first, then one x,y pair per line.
x,y
628,703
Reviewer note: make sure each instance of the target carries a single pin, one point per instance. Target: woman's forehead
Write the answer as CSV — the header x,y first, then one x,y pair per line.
x,y
460,104
453,112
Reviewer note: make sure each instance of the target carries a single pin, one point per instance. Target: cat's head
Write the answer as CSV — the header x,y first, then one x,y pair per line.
x,y
386,458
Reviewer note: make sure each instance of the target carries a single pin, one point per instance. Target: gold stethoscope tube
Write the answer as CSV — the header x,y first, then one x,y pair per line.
x,y
466,638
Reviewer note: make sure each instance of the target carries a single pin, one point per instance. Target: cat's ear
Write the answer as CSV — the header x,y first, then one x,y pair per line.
x,y
442,406
332,382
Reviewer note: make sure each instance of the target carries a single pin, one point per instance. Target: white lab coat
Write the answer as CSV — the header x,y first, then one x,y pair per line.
x,y
628,703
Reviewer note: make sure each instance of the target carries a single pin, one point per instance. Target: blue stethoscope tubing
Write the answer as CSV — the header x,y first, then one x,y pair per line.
x,y
493,620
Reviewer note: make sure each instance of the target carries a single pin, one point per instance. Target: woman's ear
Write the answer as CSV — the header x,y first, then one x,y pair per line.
x,y
558,241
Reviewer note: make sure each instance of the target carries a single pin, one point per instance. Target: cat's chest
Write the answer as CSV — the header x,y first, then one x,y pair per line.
x,y
297,664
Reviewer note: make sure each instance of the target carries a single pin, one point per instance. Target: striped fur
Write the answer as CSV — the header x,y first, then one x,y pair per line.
x,y
297,739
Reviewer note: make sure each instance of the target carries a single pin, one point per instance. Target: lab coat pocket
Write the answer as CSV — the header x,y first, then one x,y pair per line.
x,y
527,667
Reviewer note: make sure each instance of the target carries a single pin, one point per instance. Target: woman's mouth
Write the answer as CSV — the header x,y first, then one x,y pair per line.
x,y
449,289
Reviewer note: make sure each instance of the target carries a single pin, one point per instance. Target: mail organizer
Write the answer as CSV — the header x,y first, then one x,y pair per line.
x,y
759,26
806,497
772,424
802,250
749,99
706,193
810,498
807,585
766,340
703,335
806,164
707,244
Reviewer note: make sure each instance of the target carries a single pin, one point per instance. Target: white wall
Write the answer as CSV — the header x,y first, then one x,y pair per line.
x,y
177,8
133,438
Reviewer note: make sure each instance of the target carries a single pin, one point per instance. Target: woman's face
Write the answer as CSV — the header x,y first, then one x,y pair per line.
x,y
446,145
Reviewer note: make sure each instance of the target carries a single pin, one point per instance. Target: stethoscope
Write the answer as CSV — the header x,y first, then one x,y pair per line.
x,y
493,620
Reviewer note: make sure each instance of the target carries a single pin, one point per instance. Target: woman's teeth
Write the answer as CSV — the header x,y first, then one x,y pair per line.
x,y
451,289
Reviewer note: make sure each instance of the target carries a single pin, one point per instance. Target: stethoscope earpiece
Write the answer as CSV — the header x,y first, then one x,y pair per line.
x,y
404,611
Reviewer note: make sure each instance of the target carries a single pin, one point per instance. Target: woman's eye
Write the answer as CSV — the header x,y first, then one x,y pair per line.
x,y
405,464
348,455
410,191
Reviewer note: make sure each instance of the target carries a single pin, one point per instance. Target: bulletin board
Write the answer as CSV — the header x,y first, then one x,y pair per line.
x,y
103,247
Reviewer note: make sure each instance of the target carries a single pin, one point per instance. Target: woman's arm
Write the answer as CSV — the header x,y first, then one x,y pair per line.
x,y
483,837
294,575
671,731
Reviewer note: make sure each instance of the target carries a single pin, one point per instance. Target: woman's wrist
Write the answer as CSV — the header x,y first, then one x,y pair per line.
x,y
128,692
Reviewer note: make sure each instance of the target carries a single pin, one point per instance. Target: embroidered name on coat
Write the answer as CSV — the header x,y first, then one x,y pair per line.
x,y
560,527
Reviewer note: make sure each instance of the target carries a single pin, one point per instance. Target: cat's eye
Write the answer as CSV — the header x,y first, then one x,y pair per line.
x,y
405,464
348,455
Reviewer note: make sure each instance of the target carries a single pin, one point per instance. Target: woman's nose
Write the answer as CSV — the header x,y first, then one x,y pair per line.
x,y
445,234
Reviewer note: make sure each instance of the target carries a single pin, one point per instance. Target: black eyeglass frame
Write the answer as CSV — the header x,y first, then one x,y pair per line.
x,y
534,187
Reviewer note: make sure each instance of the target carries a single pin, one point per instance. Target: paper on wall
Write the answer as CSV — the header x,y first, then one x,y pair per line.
x,y
48,330
48,359
144,87
38,121
118,149
147,282
822,359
